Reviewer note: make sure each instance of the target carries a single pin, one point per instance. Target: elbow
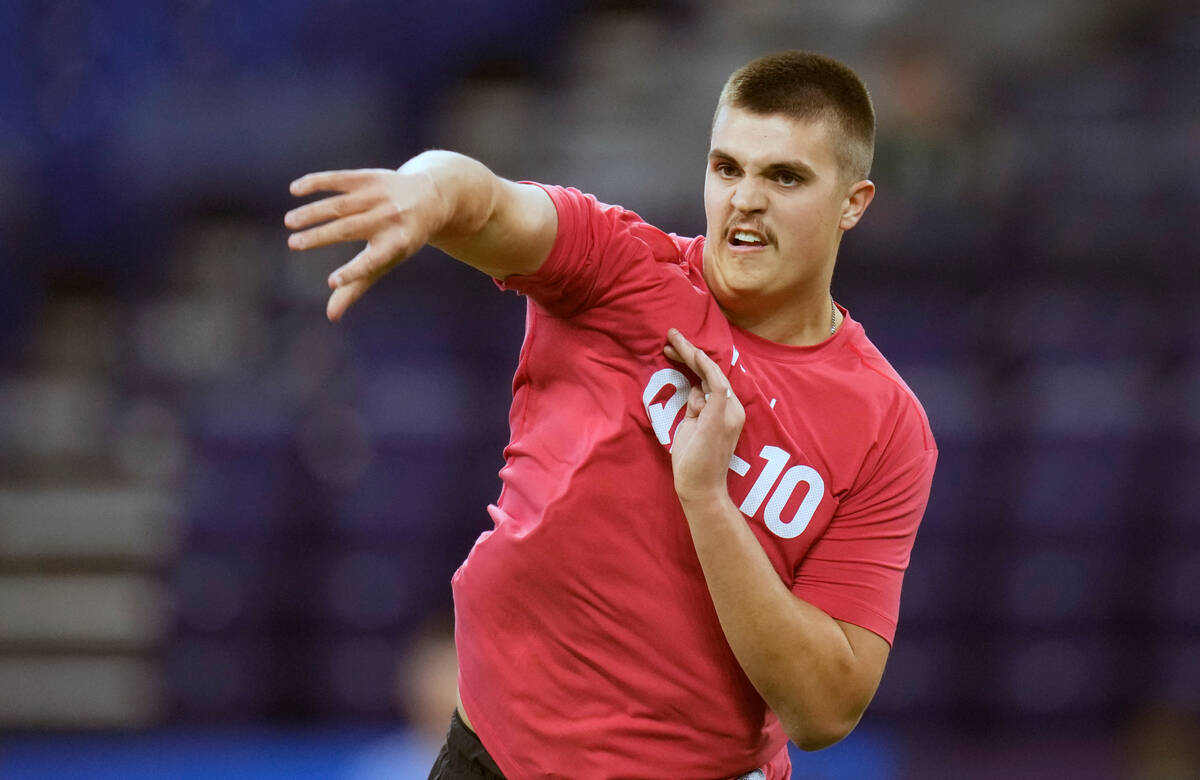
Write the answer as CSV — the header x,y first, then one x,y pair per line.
x,y
817,730
820,736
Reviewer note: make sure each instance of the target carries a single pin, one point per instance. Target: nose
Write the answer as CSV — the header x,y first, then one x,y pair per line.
x,y
748,196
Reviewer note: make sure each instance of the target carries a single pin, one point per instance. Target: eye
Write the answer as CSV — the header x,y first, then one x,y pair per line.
x,y
788,179
725,170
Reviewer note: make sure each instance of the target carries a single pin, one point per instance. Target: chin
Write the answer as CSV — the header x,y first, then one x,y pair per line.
x,y
734,299
740,284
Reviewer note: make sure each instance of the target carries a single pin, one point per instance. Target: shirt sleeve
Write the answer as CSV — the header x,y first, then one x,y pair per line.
x,y
601,253
855,570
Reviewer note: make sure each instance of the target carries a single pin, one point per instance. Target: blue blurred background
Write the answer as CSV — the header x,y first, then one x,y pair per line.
x,y
227,527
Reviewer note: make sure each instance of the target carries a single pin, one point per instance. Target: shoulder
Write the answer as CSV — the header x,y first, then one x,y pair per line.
x,y
602,253
579,210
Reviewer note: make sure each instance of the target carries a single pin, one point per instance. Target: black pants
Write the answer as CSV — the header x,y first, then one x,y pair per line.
x,y
463,757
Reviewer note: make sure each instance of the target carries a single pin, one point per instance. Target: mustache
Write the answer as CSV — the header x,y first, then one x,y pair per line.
x,y
757,227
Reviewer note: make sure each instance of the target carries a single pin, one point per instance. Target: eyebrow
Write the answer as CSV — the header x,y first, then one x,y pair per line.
x,y
796,167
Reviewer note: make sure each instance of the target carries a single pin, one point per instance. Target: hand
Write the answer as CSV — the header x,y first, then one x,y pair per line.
x,y
708,433
394,212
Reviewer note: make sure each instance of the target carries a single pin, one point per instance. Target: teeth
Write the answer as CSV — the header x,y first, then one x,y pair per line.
x,y
747,237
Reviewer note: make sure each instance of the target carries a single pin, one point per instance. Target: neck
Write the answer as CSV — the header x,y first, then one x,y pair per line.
x,y
798,326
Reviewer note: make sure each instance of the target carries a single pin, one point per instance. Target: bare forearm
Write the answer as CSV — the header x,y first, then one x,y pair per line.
x,y
798,657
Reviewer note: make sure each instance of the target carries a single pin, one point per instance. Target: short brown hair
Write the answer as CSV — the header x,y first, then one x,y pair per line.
x,y
807,86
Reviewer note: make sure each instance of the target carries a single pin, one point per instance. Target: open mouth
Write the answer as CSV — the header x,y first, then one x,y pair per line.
x,y
747,238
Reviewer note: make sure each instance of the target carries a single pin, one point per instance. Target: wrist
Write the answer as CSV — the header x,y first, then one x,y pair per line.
x,y
703,497
452,183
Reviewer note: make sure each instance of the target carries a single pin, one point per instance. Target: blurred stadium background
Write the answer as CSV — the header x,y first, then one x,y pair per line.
x,y
227,527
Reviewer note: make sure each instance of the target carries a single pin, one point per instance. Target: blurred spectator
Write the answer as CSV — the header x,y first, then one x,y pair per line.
x,y
427,691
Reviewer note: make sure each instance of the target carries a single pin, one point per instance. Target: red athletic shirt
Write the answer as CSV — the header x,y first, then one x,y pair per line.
x,y
588,643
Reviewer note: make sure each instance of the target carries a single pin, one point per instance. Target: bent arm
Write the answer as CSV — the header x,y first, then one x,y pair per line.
x,y
816,673
441,198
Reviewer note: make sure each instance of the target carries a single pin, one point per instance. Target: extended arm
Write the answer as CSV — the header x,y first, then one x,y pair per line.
x,y
816,673
439,198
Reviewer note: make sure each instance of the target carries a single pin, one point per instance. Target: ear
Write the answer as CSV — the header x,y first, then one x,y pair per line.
x,y
857,200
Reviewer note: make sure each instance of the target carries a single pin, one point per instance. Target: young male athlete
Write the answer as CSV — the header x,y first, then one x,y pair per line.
x,y
714,479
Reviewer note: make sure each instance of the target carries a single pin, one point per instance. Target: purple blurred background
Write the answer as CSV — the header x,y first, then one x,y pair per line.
x,y
222,516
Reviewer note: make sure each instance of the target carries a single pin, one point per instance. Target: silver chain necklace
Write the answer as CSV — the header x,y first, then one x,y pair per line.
x,y
832,317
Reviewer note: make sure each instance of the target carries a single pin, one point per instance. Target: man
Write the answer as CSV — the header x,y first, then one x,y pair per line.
x,y
714,479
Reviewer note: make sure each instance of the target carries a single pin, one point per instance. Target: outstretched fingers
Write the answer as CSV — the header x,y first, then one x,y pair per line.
x,y
367,206
335,181
367,264
344,296
356,227
335,207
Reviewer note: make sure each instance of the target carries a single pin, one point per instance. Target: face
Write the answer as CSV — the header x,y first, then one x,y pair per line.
x,y
777,206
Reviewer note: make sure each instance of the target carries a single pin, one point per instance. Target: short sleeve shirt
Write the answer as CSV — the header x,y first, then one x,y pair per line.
x,y
589,646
